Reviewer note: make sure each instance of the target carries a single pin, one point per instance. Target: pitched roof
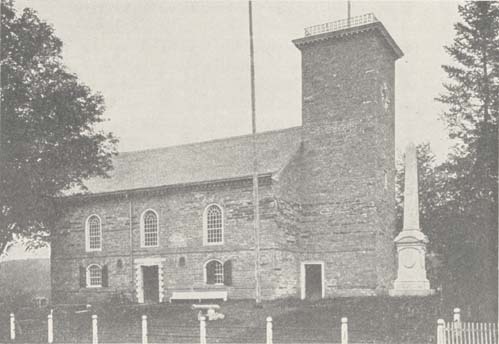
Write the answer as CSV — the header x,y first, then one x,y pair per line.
x,y
199,162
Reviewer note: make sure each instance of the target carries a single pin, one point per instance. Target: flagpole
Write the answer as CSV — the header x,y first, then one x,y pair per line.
x,y
349,10
256,219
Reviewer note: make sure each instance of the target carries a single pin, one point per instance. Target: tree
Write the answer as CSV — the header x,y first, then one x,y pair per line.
x,y
472,95
49,143
458,198
472,99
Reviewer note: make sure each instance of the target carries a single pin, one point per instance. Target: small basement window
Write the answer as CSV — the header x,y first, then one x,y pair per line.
x,y
181,262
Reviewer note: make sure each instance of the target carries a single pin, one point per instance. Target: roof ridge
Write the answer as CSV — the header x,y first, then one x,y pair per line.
x,y
208,141
199,162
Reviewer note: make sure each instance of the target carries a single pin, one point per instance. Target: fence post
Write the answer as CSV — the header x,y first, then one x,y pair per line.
x,y
440,331
202,330
12,327
95,336
457,315
344,331
144,329
269,330
50,328
457,325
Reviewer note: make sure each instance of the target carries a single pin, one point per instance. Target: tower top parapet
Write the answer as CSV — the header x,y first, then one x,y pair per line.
x,y
347,27
341,24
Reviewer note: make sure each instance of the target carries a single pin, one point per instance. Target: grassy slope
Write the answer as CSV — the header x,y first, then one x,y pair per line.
x,y
376,319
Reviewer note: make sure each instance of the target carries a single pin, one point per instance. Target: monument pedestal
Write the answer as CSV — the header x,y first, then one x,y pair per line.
x,y
411,275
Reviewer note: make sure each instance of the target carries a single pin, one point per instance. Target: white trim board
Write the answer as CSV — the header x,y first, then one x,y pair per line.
x,y
149,261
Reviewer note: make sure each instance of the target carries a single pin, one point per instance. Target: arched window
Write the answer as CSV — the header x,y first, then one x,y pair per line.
x,y
213,225
93,233
149,232
94,276
214,272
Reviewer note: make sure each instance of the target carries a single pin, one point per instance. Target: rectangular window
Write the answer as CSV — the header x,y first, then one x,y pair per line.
x,y
214,235
94,233
95,280
219,274
150,229
94,242
94,276
213,225
150,239
214,272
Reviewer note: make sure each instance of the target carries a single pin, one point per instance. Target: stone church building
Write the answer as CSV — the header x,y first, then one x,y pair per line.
x,y
178,220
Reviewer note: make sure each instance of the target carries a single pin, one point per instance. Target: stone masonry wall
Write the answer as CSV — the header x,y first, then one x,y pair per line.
x,y
180,226
287,193
285,268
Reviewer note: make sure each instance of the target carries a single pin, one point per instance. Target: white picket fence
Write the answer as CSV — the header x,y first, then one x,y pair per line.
x,y
145,337
459,332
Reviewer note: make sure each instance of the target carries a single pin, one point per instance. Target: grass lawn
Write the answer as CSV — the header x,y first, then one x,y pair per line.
x,y
371,319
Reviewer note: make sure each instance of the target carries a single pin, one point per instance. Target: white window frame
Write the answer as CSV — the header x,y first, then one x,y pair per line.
x,y
205,225
88,276
87,234
205,273
142,229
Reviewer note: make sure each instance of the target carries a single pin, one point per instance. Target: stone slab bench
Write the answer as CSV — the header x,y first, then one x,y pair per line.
x,y
205,307
199,295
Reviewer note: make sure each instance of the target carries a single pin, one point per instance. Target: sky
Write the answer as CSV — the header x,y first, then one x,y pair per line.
x,y
175,72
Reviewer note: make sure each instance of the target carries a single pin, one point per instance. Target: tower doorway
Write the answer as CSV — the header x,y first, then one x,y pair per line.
x,y
312,280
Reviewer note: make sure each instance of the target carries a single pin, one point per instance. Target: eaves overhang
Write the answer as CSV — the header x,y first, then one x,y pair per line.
x,y
127,192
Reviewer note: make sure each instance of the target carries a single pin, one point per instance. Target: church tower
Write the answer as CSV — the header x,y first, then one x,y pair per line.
x,y
348,200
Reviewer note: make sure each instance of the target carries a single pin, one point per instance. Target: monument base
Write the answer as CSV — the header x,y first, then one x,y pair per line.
x,y
411,288
415,292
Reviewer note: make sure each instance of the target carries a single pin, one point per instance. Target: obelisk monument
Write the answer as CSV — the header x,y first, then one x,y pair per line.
x,y
411,242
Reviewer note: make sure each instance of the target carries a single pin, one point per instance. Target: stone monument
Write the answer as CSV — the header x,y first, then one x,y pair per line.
x,y
411,242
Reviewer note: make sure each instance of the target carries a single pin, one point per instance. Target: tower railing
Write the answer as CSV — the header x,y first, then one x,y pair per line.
x,y
341,24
